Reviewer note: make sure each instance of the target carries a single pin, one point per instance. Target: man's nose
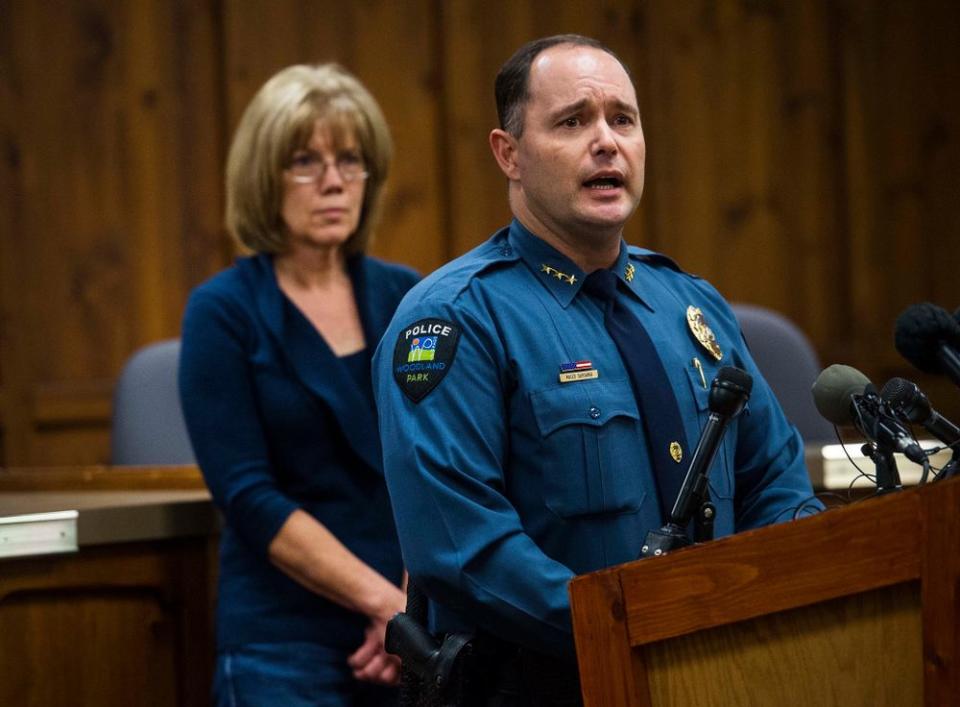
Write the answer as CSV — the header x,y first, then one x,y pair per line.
x,y
604,139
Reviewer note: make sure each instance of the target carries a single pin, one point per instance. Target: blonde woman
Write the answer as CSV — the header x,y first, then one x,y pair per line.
x,y
275,385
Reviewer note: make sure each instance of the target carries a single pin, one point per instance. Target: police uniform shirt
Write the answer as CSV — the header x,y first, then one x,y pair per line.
x,y
513,447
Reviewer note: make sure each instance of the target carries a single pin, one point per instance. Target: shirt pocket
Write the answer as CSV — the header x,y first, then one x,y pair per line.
x,y
590,438
721,471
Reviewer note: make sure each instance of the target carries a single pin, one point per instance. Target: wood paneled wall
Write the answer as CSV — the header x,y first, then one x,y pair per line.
x,y
802,154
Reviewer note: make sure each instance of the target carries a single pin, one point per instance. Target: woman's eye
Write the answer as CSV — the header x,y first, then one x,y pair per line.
x,y
349,158
303,161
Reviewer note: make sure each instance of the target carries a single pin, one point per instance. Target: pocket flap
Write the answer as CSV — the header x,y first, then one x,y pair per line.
x,y
593,403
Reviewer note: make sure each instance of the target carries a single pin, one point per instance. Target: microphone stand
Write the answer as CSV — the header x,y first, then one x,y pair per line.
x,y
703,521
673,535
888,477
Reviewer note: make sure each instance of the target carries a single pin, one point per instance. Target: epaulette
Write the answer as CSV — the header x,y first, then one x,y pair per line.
x,y
650,256
454,277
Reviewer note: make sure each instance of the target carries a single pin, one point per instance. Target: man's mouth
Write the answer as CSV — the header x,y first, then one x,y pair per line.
x,y
602,183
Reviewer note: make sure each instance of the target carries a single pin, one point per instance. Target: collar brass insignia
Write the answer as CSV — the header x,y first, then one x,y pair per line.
x,y
629,271
702,332
562,276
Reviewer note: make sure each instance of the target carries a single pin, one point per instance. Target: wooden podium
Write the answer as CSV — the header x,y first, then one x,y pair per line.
x,y
855,606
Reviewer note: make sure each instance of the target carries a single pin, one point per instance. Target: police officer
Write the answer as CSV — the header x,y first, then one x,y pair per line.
x,y
516,448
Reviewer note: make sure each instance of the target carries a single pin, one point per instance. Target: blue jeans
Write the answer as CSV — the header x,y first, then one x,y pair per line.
x,y
292,675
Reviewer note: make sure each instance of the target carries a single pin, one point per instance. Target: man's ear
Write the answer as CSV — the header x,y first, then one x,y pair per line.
x,y
504,147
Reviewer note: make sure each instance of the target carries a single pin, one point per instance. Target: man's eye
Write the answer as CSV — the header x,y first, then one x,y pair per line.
x,y
623,120
570,122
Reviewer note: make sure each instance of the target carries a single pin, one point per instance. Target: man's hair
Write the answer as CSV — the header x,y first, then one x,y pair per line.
x,y
280,120
513,80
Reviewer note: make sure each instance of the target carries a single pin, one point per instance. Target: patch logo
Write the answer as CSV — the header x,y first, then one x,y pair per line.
x,y
423,355
422,349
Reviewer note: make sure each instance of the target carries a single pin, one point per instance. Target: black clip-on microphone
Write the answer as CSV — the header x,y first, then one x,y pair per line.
x,y
728,396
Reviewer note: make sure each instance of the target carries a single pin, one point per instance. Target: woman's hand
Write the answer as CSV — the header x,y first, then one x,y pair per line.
x,y
370,662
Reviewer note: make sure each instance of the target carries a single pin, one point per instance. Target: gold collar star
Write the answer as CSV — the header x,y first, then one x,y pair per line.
x,y
562,276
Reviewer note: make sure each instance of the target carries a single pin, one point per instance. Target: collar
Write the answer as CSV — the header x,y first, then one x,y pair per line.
x,y
555,271
627,270
560,275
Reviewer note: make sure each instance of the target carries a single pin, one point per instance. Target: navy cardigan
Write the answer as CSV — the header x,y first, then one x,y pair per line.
x,y
277,423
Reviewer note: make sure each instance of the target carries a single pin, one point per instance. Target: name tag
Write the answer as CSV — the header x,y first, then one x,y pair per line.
x,y
571,376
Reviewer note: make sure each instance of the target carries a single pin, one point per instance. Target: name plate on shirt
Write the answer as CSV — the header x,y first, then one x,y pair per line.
x,y
571,376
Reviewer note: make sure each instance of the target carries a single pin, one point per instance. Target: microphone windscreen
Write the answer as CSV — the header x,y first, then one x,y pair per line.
x,y
919,332
832,391
897,391
729,391
906,397
736,376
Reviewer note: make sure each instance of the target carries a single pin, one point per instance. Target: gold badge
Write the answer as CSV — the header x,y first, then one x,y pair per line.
x,y
676,451
562,276
629,271
701,330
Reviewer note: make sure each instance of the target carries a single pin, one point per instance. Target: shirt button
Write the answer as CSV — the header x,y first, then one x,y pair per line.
x,y
594,412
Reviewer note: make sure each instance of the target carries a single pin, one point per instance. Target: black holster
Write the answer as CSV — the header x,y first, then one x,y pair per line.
x,y
463,670
432,671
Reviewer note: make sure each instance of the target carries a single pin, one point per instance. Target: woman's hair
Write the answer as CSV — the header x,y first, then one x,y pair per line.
x,y
280,120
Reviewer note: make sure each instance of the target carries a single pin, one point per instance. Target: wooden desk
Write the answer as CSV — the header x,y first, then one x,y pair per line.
x,y
124,619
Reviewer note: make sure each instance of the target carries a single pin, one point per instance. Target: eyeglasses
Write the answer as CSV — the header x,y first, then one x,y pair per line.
x,y
307,167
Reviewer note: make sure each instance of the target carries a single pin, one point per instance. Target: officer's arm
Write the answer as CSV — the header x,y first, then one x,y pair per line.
x,y
771,479
462,539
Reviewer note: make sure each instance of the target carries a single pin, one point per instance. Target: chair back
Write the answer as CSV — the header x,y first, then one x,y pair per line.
x,y
148,426
790,364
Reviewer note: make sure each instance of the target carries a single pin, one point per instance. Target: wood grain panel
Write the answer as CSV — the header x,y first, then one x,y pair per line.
x,y
397,57
107,624
114,165
901,126
801,155
744,573
735,139
611,673
941,596
101,478
391,47
137,633
749,619
842,653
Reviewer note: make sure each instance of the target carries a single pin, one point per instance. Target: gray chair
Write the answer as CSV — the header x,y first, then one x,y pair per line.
x,y
148,426
790,364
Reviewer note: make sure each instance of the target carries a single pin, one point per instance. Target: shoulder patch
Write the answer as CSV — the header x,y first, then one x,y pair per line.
x,y
423,355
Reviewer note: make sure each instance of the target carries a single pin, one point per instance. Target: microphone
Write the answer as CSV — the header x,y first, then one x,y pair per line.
x,y
844,396
728,396
929,338
906,398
